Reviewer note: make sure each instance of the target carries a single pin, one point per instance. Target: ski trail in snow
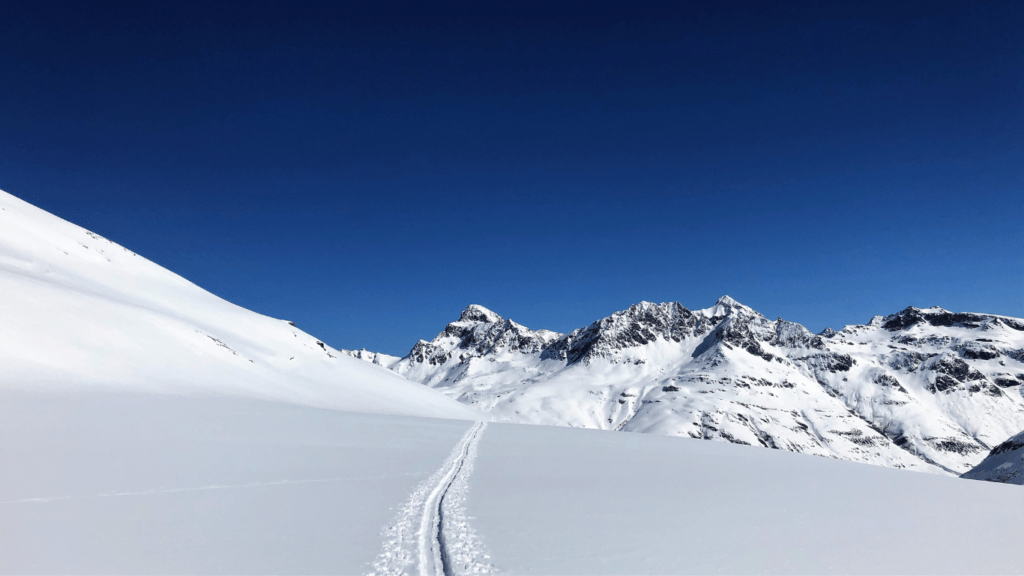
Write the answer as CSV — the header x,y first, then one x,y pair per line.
x,y
432,535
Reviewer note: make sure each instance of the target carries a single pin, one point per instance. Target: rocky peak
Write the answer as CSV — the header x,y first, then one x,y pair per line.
x,y
477,313
726,300
640,324
479,332
791,334
727,306
936,316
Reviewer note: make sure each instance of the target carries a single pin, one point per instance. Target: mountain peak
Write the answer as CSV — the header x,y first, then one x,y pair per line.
x,y
477,313
726,300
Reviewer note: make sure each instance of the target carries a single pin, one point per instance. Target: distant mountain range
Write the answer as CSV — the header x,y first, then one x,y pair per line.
x,y
922,389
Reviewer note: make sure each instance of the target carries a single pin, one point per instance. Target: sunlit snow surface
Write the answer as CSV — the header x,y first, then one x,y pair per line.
x,y
78,311
125,483
145,484
922,389
149,427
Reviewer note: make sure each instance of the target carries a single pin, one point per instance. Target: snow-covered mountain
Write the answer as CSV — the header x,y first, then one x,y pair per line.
x,y
924,389
147,426
1005,463
378,358
79,312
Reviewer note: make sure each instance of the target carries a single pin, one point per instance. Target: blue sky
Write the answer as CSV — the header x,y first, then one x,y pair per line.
x,y
369,169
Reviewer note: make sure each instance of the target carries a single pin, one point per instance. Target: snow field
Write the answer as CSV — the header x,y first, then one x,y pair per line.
x,y
554,500
155,484
123,483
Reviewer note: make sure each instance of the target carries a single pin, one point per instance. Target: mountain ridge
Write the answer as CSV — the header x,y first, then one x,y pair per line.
x,y
923,388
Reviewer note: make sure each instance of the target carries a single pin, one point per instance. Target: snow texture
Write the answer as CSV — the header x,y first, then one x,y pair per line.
x,y
138,483
149,427
113,482
432,534
923,389
569,501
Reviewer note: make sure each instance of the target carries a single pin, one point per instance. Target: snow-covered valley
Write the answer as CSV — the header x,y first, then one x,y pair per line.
x,y
134,483
150,427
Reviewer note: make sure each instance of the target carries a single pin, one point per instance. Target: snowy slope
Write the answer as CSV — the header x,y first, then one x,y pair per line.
x,y
378,358
79,311
149,427
116,483
924,389
1005,463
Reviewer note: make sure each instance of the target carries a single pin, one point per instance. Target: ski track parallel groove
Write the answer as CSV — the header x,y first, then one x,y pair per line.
x,y
425,512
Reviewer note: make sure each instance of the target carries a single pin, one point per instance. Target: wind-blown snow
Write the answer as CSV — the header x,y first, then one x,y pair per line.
x,y
80,311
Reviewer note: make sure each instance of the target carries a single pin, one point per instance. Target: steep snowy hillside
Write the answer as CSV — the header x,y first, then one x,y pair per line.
x,y
924,389
78,311
1005,463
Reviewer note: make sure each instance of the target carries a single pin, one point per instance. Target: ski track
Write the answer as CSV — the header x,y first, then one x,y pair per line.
x,y
432,535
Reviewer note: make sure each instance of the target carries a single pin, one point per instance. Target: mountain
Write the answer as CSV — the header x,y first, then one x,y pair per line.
x,y
923,389
147,426
1005,463
377,358
80,312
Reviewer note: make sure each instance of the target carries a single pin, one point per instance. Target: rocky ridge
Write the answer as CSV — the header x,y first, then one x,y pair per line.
x,y
1005,463
925,389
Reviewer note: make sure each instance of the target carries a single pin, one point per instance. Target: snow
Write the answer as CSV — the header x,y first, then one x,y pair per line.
x,y
140,483
1005,463
149,427
378,358
567,501
79,311
135,483
924,389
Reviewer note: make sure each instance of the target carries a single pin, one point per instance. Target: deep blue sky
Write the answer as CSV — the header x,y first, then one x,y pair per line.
x,y
369,169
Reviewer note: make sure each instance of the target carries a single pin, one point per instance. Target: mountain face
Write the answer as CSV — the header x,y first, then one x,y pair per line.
x,y
924,389
1005,463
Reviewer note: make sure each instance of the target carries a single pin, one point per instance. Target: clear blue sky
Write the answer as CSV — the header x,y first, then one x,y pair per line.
x,y
368,169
